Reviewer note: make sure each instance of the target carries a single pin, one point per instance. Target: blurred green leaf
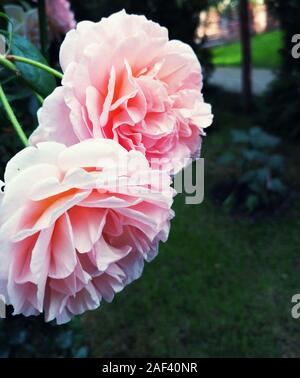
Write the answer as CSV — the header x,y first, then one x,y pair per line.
x,y
263,175
261,139
18,338
255,187
20,95
226,158
64,340
81,352
229,202
239,136
252,202
248,176
278,186
276,162
254,155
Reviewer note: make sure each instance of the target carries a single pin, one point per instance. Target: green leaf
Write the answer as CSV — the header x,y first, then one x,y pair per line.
x,y
39,80
276,162
248,176
261,139
278,186
82,352
252,155
226,158
239,136
18,337
65,339
256,187
263,175
21,94
259,175
229,203
252,202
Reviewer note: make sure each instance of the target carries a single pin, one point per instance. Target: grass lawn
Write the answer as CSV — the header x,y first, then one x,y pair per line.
x,y
265,50
219,287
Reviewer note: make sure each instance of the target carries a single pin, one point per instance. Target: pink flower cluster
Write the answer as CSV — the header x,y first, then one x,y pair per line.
x,y
85,206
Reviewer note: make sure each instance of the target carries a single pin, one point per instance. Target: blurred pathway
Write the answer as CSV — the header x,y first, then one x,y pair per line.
x,y
230,79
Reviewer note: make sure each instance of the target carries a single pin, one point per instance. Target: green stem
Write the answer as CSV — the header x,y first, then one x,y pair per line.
x,y
34,63
11,116
43,26
39,98
8,65
8,80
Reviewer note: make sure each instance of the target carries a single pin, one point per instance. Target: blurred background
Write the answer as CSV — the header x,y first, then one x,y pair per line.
x,y
222,285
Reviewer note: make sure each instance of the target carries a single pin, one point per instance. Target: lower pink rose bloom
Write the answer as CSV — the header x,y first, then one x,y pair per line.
x,y
125,80
77,224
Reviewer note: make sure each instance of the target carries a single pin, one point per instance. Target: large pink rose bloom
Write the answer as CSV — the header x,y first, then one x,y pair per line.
x,y
124,80
77,224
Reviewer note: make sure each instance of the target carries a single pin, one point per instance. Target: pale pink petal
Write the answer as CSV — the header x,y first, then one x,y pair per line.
x,y
63,259
87,225
54,120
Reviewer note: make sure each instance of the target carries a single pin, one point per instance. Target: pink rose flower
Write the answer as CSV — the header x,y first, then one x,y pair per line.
x,y
124,80
60,16
77,224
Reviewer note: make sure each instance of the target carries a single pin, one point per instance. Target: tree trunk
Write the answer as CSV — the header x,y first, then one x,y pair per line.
x,y
245,33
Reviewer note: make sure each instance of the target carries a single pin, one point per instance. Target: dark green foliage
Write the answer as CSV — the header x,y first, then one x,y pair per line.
x,y
257,171
31,337
9,141
288,13
281,107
